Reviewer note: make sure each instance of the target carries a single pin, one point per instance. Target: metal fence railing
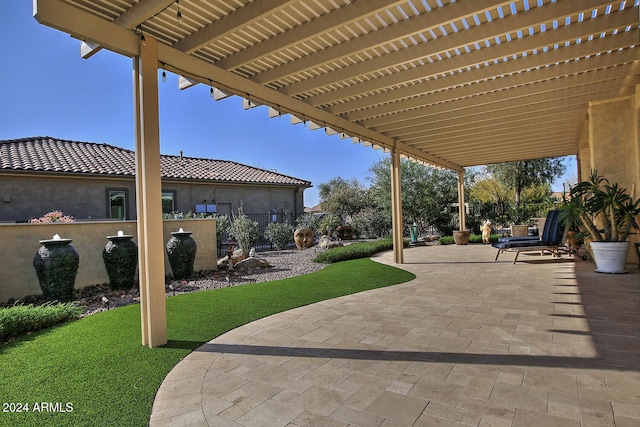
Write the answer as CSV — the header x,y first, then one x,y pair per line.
x,y
264,219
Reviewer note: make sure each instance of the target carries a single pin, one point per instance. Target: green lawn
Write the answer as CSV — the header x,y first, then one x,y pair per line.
x,y
95,371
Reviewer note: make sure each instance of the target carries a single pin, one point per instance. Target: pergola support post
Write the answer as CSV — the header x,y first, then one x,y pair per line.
x,y
149,196
396,207
461,206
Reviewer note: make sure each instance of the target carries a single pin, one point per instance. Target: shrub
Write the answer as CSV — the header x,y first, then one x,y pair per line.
x,y
308,221
448,240
372,222
328,224
53,216
22,319
245,231
354,251
279,234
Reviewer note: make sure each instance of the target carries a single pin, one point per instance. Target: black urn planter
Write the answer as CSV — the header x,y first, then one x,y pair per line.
x,y
56,264
120,256
181,250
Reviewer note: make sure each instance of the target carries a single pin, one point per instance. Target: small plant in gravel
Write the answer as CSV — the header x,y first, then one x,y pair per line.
x,y
23,319
279,234
245,231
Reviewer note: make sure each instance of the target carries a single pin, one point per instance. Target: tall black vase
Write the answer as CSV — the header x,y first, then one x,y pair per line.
x,y
56,264
120,256
181,250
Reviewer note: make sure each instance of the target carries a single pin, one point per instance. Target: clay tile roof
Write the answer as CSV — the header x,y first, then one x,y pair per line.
x,y
46,154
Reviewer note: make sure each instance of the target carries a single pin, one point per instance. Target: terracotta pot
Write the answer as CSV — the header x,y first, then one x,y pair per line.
x,y
519,230
461,237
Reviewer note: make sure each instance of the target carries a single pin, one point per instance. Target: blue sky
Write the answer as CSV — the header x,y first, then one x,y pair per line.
x,y
49,90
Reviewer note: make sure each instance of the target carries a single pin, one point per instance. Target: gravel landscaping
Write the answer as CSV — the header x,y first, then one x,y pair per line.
x,y
284,264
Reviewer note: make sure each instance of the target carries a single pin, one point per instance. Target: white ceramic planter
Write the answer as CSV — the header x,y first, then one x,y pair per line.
x,y
610,257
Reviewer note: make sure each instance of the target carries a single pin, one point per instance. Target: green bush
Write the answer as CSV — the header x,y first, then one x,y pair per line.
x,y
447,240
354,251
279,234
308,221
22,319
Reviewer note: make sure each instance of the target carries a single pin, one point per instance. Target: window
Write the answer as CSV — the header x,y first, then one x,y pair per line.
x,y
117,204
168,204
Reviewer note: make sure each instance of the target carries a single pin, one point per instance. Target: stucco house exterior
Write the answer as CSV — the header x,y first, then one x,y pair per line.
x,y
97,181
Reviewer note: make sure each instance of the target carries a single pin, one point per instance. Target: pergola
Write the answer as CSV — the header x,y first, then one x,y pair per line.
x,y
448,83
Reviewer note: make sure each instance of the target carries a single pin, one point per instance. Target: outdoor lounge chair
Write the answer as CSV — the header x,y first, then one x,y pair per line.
x,y
549,241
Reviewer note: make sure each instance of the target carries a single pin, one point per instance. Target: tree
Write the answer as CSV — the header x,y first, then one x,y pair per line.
x,y
344,198
426,192
524,173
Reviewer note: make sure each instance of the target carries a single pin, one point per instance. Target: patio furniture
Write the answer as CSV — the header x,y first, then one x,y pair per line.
x,y
550,240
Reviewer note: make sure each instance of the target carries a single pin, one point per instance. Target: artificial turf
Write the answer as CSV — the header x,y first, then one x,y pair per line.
x,y
95,371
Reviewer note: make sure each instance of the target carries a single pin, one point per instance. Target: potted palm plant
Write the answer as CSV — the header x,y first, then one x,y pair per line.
x,y
606,214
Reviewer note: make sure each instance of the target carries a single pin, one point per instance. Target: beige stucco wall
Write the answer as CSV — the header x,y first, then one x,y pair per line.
x,y
30,195
20,242
612,147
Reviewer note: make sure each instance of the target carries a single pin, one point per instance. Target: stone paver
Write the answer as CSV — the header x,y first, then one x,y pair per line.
x,y
468,342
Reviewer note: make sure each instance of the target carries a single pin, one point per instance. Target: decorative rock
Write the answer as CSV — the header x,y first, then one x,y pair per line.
x,y
327,242
345,232
223,262
251,263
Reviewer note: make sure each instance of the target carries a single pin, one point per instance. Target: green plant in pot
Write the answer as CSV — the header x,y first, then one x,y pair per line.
x,y
606,215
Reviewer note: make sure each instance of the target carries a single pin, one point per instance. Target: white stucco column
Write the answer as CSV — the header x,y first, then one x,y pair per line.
x,y
396,208
149,196
461,207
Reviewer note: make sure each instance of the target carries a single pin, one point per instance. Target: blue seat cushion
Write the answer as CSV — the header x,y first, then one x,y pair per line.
x,y
551,235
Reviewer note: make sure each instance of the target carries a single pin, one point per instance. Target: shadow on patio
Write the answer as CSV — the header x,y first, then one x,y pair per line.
x,y
469,342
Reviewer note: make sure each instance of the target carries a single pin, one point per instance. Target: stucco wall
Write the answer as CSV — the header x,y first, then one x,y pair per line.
x,y
613,148
24,196
20,242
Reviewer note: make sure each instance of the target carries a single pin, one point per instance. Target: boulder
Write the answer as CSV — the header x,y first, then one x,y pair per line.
x,y
251,264
345,232
326,242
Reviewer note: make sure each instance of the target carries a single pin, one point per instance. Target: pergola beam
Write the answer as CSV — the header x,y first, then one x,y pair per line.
x,y
479,57
473,116
484,73
458,40
246,15
414,25
552,90
141,11
320,25
605,67
83,26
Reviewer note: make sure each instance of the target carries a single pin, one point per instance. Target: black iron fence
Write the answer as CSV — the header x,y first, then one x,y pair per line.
x,y
264,219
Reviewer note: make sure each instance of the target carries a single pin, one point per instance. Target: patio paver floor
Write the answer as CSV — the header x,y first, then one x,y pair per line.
x,y
469,342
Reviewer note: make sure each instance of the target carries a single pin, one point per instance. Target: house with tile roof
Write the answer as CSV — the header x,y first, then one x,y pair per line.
x,y
97,181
